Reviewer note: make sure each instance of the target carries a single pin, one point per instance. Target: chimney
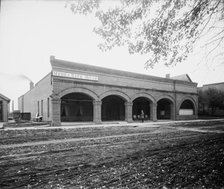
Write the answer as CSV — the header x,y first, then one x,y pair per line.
x,y
168,76
52,58
31,85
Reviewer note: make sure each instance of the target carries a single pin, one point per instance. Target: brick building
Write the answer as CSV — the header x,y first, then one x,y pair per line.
x,y
4,108
74,92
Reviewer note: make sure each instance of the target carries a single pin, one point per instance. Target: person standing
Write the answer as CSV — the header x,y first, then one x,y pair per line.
x,y
142,116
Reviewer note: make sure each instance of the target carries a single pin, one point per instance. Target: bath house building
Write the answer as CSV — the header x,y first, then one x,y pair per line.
x,y
74,92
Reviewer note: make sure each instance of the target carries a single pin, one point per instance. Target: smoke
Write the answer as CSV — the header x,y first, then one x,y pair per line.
x,y
19,76
23,77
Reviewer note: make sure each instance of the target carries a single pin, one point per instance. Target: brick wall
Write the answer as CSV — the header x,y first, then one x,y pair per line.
x,y
98,91
132,82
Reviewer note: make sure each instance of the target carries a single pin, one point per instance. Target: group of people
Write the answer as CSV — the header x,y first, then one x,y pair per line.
x,y
38,117
141,117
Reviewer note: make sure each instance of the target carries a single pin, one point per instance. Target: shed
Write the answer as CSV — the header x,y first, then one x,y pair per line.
x,y
4,108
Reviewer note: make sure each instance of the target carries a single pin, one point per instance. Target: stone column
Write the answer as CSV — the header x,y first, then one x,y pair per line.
x,y
153,111
196,111
97,111
56,111
173,111
128,112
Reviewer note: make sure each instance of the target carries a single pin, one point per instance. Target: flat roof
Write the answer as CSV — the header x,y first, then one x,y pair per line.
x,y
96,69
221,83
4,97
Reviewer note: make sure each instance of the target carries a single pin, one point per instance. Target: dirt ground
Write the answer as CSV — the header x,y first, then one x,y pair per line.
x,y
167,156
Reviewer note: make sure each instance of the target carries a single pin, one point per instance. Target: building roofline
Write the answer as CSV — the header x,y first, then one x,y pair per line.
x,y
96,69
182,75
42,78
213,84
189,78
35,84
4,97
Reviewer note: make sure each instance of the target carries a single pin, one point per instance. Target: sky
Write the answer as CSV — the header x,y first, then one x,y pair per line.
x,y
31,31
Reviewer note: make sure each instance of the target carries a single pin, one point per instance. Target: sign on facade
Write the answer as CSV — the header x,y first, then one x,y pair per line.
x,y
76,76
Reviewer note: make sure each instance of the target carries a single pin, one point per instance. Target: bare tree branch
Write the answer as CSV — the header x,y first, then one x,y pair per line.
x,y
167,35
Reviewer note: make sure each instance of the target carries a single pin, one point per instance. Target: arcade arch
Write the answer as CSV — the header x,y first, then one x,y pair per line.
x,y
76,106
165,108
113,108
187,107
141,104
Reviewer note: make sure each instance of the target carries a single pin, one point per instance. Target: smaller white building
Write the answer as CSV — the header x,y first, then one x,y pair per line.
x,y
4,108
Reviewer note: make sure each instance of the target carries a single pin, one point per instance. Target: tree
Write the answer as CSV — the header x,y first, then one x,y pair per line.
x,y
212,98
202,102
165,31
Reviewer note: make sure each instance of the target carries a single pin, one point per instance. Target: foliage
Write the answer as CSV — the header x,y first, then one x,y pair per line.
x,y
202,101
164,30
211,97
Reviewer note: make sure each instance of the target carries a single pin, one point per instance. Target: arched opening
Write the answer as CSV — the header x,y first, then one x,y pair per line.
x,y
113,108
164,109
139,104
76,107
187,108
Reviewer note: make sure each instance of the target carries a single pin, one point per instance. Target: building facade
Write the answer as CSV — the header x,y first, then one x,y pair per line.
x,y
74,92
4,108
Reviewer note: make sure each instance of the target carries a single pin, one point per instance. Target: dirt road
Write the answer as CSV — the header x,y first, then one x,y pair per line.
x,y
116,157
